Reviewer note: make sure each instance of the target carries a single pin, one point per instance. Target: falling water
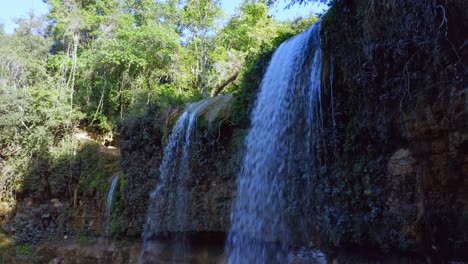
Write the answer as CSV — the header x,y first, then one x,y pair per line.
x,y
167,212
332,103
281,155
110,197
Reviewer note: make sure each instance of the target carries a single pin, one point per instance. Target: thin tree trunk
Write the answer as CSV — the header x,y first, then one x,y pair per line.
x,y
204,66
71,80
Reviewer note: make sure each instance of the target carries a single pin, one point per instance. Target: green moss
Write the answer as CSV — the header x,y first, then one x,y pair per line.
x,y
330,16
95,170
5,241
82,237
24,250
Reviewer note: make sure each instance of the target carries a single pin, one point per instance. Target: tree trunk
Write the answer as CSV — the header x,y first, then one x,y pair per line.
x,y
204,66
221,87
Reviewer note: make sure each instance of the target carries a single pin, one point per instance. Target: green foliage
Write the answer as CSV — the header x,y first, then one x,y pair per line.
x,y
82,237
246,34
117,57
35,111
24,250
300,2
5,241
251,28
256,62
92,178
125,64
114,55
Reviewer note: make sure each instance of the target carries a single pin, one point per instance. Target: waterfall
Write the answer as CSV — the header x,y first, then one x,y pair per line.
x,y
281,155
168,202
332,103
167,212
110,197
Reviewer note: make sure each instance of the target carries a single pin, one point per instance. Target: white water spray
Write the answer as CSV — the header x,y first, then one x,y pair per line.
x,y
281,152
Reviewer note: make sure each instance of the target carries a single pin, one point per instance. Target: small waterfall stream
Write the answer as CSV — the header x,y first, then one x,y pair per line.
x,y
110,198
281,155
167,212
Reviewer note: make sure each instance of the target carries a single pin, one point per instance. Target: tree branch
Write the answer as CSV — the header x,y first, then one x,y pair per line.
x,y
221,87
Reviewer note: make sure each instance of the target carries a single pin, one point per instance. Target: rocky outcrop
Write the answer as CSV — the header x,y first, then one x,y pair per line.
x,y
213,168
214,164
34,223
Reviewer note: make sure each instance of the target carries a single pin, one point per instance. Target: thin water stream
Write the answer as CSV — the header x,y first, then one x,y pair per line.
x,y
110,198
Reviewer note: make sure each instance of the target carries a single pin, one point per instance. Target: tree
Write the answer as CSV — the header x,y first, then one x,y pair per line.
x,y
34,113
301,2
245,35
115,54
199,22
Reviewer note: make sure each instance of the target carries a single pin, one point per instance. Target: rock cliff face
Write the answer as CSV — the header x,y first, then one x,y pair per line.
x,y
142,150
395,100
213,165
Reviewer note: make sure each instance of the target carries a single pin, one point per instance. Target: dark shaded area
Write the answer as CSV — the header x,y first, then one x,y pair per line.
x,y
142,149
394,93
62,196
201,247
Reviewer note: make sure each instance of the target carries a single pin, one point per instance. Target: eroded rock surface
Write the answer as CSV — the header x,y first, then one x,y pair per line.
x,y
396,122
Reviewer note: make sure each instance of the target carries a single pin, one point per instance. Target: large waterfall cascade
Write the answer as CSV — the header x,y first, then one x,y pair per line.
x,y
281,154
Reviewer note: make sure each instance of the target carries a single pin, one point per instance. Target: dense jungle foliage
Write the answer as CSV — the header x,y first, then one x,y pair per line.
x,y
88,65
